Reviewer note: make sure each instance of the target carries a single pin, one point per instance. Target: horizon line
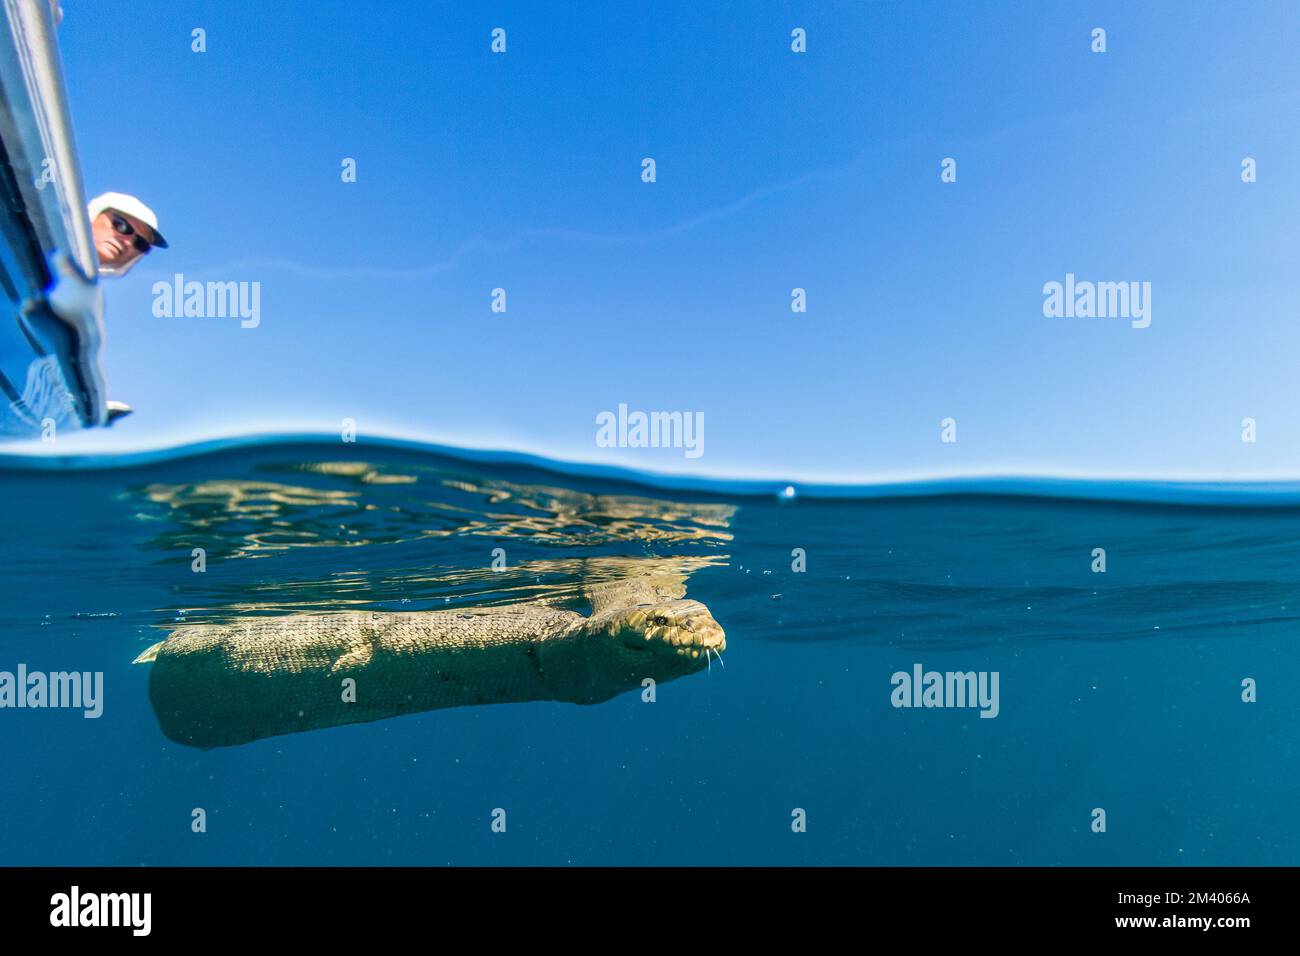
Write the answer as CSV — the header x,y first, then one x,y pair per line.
x,y
1113,486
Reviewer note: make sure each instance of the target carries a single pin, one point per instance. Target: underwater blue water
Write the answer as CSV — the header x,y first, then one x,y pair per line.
x,y
1119,690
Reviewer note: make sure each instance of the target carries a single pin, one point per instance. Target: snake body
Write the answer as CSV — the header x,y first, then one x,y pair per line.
x,y
216,685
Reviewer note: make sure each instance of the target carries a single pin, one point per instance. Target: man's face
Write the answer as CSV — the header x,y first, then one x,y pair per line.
x,y
120,239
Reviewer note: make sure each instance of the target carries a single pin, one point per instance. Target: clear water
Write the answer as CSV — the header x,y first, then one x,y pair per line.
x,y
1119,690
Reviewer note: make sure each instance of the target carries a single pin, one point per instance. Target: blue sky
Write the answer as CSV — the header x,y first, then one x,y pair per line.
x,y
775,170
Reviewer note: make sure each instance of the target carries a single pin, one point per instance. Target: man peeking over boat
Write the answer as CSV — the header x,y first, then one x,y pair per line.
x,y
124,230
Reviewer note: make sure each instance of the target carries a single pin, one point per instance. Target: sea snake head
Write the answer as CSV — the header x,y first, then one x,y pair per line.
x,y
661,641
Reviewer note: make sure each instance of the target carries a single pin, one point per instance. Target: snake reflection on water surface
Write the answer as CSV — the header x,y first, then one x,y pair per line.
x,y
232,682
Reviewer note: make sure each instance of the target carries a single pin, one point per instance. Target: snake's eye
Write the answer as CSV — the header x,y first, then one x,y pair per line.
x,y
660,621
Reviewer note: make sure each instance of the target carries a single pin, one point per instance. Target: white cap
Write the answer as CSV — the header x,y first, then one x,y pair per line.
x,y
132,207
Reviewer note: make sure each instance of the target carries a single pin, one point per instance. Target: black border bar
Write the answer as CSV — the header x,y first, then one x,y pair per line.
x,y
302,905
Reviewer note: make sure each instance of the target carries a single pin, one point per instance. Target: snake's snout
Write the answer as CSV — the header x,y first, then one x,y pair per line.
x,y
683,627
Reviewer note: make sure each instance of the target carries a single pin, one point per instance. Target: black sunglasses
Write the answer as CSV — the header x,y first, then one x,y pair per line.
x,y
125,228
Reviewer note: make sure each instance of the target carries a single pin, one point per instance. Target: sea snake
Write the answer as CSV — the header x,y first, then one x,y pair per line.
x,y
216,685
